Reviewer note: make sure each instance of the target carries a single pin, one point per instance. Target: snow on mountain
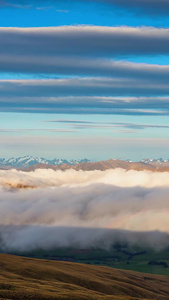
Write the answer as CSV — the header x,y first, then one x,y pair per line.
x,y
28,161
156,161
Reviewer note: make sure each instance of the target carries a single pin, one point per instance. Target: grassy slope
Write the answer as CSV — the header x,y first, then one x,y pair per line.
x,y
114,258
25,278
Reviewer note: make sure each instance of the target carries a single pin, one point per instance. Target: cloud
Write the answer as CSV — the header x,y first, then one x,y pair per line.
x,y
71,178
85,95
15,4
80,51
84,41
151,7
141,126
62,11
101,206
19,239
122,125
2,130
82,87
74,122
57,65
93,124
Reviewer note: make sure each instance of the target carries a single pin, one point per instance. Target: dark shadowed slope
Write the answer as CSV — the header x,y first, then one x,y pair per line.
x,y
23,278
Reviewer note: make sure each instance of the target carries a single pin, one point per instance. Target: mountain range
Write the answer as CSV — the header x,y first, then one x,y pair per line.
x,y
30,163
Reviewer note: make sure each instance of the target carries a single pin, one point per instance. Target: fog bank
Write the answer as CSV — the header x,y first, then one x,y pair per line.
x,y
83,209
118,177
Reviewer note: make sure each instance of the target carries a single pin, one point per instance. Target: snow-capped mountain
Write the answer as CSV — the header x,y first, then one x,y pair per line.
x,y
28,161
151,161
156,161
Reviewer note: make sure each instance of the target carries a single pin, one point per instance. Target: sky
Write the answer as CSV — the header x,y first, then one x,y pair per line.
x,y
84,78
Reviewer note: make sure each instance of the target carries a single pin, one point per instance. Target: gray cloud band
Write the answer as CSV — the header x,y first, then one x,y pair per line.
x,y
79,50
49,65
83,41
83,96
150,7
82,87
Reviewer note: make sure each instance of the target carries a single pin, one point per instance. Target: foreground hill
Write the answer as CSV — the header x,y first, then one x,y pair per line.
x,y
105,165
25,278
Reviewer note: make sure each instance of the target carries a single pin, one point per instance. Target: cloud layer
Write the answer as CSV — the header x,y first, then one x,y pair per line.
x,y
86,41
85,104
60,65
101,205
85,96
84,51
82,87
152,7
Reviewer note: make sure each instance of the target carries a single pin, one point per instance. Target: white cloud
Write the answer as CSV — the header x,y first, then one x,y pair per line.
x,y
73,202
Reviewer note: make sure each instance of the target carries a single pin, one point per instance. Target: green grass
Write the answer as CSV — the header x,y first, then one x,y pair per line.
x,y
136,260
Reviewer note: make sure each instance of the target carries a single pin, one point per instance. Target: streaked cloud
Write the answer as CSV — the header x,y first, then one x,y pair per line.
x,y
62,11
152,7
78,86
84,41
95,124
86,51
141,126
81,96
82,87
15,4
59,65
2,130
74,122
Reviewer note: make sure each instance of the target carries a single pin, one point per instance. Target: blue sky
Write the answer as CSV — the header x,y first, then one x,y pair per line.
x,y
97,87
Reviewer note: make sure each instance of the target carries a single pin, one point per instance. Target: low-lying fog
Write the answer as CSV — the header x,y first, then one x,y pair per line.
x,y
47,209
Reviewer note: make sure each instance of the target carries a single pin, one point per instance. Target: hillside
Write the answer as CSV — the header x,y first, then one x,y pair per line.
x,y
24,278
105,165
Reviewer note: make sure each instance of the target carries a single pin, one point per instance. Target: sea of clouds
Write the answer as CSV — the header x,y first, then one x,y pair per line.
x,y
82,209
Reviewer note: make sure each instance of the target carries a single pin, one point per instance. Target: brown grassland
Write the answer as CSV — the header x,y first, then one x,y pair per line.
x,y
25,278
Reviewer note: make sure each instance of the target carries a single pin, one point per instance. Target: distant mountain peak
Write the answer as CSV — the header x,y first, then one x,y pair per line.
x,y
29,161
156,161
